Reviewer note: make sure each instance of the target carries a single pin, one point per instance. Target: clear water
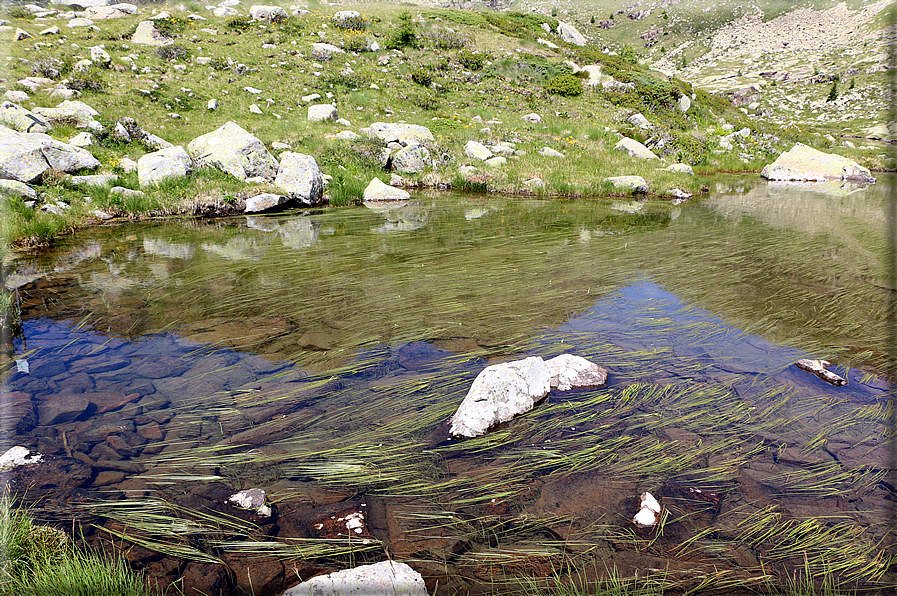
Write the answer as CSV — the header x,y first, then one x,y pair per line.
x,y
318,356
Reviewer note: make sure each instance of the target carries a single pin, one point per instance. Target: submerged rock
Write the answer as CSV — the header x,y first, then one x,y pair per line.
x,y
377,190
18,456
499,393
388,577
252,499
648,511
803,163
818,368
574,372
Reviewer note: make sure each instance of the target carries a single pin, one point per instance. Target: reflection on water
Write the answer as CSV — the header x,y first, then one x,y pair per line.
x,y
318,357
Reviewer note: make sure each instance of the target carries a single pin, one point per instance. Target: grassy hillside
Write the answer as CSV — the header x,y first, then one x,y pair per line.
x,y
465,74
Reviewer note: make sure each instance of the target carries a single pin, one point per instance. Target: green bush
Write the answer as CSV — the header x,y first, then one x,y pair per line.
x,y
471,60
405,35
171,26
833,92
172,52
238,24
564,84
422,76
19,12
446,40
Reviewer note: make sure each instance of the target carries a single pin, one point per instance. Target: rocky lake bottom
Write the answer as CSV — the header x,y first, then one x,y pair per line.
x,y
165,366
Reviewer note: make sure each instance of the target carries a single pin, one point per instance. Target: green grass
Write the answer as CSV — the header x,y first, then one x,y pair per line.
x,y
42,561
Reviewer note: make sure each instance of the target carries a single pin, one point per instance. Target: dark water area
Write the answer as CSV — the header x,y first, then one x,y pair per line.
x,y
164,366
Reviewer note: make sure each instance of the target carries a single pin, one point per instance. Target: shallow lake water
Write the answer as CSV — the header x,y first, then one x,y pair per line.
x,y
318,356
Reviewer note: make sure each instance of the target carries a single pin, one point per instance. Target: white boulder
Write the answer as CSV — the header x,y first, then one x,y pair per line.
x,y
388,577
234,150
377,190
300,178
634,149
575,372
18,118
166,164
499,393
267,13
803,163
402,133
322,112
570,34
26,156
477,151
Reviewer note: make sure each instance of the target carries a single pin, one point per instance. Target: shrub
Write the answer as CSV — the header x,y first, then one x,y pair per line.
x,y
49,68
348,79
19,12
446,40
172,52
833,92
88,81
238,24
353,41
406,34
565,84
422,76
471,60
171,26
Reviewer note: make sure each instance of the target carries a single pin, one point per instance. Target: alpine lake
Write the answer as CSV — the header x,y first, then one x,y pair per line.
x,y
318,355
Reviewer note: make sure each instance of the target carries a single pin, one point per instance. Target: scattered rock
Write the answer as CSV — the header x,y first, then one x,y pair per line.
x,y
638,119
411,160
388,577
570,34
147,34
68,112
235,151
26,156
300,177
403,133
21,34
324,51
322,112
803,163
252,499
18,118
82,139
549,152
268,13
648,511
499,393
126,192
166,164
54,30
377,190
18,456
14,188
477,150
264,202
684,103
634,149
95,180
681,168
574,372
532,117
635,184
495,162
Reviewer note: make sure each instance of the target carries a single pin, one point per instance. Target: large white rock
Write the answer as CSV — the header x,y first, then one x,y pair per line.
x,y
477,150
264,202
76,112
166,164
377,190
267,13
234,150
803,163
20,456
147,34
575,372
14,188
102,13
18,118
499,393
300,178
411,160
629,183
386,578
345,16
570,34
26,156
402,133
322,112
634,149
638,119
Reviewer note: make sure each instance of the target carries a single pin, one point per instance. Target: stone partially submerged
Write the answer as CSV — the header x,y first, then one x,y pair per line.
x,y
575,372
300,178
818,368
499,393
387,577
802,163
